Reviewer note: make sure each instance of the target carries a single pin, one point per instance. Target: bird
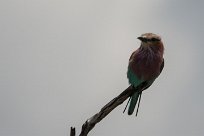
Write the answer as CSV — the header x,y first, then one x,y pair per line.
x,y
145,65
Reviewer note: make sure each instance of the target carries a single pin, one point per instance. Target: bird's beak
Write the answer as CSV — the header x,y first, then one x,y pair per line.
x,y
140,38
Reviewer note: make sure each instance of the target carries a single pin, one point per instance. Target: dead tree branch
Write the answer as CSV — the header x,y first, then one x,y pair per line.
x,y
91,122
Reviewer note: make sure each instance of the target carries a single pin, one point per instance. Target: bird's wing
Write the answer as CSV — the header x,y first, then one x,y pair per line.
x,y
162,66
133,55
147,84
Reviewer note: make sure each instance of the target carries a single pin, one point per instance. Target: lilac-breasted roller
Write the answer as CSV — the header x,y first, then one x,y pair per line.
x,y
145,65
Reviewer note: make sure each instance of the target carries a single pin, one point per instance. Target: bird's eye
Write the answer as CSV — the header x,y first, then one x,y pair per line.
x,y
145,40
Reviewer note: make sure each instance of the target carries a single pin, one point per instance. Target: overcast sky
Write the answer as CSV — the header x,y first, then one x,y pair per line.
x,y
62,60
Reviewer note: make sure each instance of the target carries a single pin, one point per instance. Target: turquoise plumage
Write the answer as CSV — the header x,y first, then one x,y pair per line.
x,y
135,81
145,65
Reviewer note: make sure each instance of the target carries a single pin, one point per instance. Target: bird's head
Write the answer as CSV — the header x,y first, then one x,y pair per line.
x,y
149,39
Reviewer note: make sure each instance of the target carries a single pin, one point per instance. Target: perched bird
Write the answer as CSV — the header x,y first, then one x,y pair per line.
x,y
145,65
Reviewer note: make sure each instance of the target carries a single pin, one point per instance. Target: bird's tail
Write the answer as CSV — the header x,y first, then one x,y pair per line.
x,y
133,101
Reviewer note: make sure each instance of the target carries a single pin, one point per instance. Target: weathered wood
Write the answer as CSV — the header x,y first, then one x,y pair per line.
x,y
91,122
72,131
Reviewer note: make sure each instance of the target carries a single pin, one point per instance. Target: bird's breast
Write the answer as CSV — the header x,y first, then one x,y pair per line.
x,y
146,65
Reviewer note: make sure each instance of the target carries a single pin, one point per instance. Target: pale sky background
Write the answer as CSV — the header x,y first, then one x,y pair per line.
x,y
62,60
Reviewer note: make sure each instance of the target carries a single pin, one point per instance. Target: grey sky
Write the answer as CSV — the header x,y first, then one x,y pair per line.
x,y
62,60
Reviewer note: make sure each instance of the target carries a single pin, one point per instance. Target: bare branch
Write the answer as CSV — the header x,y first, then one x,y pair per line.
x,y
91,122
72,131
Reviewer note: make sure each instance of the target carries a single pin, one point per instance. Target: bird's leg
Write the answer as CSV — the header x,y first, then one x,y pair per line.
x,y
138,103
